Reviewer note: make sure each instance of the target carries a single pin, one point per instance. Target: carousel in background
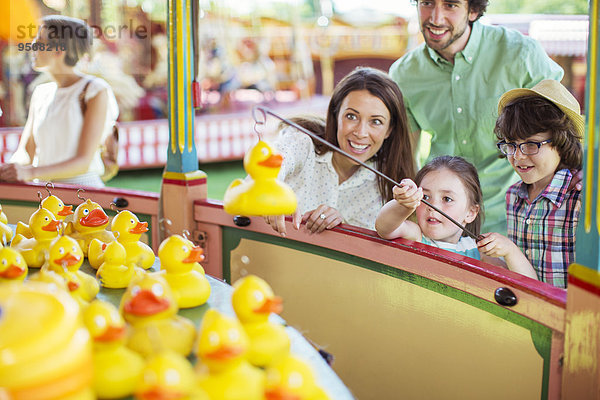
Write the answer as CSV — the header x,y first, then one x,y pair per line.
x,y
287,56
401,318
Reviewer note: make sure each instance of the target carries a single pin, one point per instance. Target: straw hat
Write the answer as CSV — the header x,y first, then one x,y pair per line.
x,y
555,92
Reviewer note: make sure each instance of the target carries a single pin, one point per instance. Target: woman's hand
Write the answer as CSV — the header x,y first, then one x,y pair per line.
x,y
408,194
321,218
277,222
14,172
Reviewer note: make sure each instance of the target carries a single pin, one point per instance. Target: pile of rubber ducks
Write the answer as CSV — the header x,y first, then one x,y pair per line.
x,y
82,347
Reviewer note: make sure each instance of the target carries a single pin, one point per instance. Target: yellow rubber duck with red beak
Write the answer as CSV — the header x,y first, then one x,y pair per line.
x,y
12,265
253,301
179,263
65,258
44,228
150,307
89,222
53,204
117,369
262,193
224,373
128,231
169,376
292,378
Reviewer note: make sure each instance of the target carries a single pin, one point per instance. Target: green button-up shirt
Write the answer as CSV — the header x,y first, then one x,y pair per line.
x,y
457,103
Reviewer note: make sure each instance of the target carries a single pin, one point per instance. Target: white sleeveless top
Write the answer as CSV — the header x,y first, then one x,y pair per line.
x,y
58,121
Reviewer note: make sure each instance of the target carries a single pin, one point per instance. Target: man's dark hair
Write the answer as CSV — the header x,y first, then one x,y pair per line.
x,y
478,6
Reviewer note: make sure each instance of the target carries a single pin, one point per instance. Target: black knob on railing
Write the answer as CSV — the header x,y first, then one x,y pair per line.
x,y
240,220
505,297
120,202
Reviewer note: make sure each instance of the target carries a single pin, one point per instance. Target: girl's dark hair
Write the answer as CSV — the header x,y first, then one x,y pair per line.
x,y
71,34
395,157
526,116
467,173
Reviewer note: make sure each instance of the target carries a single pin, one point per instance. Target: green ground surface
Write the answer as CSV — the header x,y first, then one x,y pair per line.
x,y
219,175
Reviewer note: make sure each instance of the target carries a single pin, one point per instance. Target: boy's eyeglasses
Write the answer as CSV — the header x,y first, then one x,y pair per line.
x,y
527,148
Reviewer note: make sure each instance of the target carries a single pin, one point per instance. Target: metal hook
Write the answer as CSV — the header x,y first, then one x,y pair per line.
x,y
40,197
259,120
51,185
78,196
187,235
113,207
264,111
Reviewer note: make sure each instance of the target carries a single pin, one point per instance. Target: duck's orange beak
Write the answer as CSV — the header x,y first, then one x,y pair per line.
x,y
274,161
274,305
111,334
280,394
225,353
51,226
13,271
139,228
96,217
66,210
73,286
196,255
67,260
145,303
157,393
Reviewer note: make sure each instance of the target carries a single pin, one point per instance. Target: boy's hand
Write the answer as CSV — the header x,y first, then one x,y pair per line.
x,y
496,245
408,194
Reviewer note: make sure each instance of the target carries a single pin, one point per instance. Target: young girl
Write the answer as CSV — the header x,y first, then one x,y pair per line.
x,y
68,117
452,185
540,131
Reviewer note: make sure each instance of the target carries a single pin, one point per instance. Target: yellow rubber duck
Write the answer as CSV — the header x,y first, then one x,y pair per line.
x,y
89,222
12,265
253,301
224,373
46,350
114,273
150,307
51,203
65,258
6,232
44,228
292,378
179,262
167,376
128,230
117,369
263,194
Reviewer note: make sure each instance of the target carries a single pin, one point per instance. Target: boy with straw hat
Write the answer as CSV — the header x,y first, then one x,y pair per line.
x,y
540,132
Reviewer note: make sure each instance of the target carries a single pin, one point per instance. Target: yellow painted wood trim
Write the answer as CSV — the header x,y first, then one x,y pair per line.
x,y
189,134
591,120
172,78
585,274
180,80
184,176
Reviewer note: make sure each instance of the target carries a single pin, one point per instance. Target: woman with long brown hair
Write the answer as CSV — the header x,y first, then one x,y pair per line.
x,y
365,118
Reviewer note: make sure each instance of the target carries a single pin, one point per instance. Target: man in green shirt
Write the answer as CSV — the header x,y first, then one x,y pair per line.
x,y
451,86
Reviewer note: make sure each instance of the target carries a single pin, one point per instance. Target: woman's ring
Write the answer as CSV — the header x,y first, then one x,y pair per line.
x,y
322,216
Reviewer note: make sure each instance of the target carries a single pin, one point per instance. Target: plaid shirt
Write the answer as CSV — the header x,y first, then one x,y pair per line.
x,y
544,229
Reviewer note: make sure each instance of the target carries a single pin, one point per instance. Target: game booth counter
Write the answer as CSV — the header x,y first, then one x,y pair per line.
x,y
401,319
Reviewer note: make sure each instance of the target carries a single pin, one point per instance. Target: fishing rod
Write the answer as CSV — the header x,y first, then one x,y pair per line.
x,y
264,111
